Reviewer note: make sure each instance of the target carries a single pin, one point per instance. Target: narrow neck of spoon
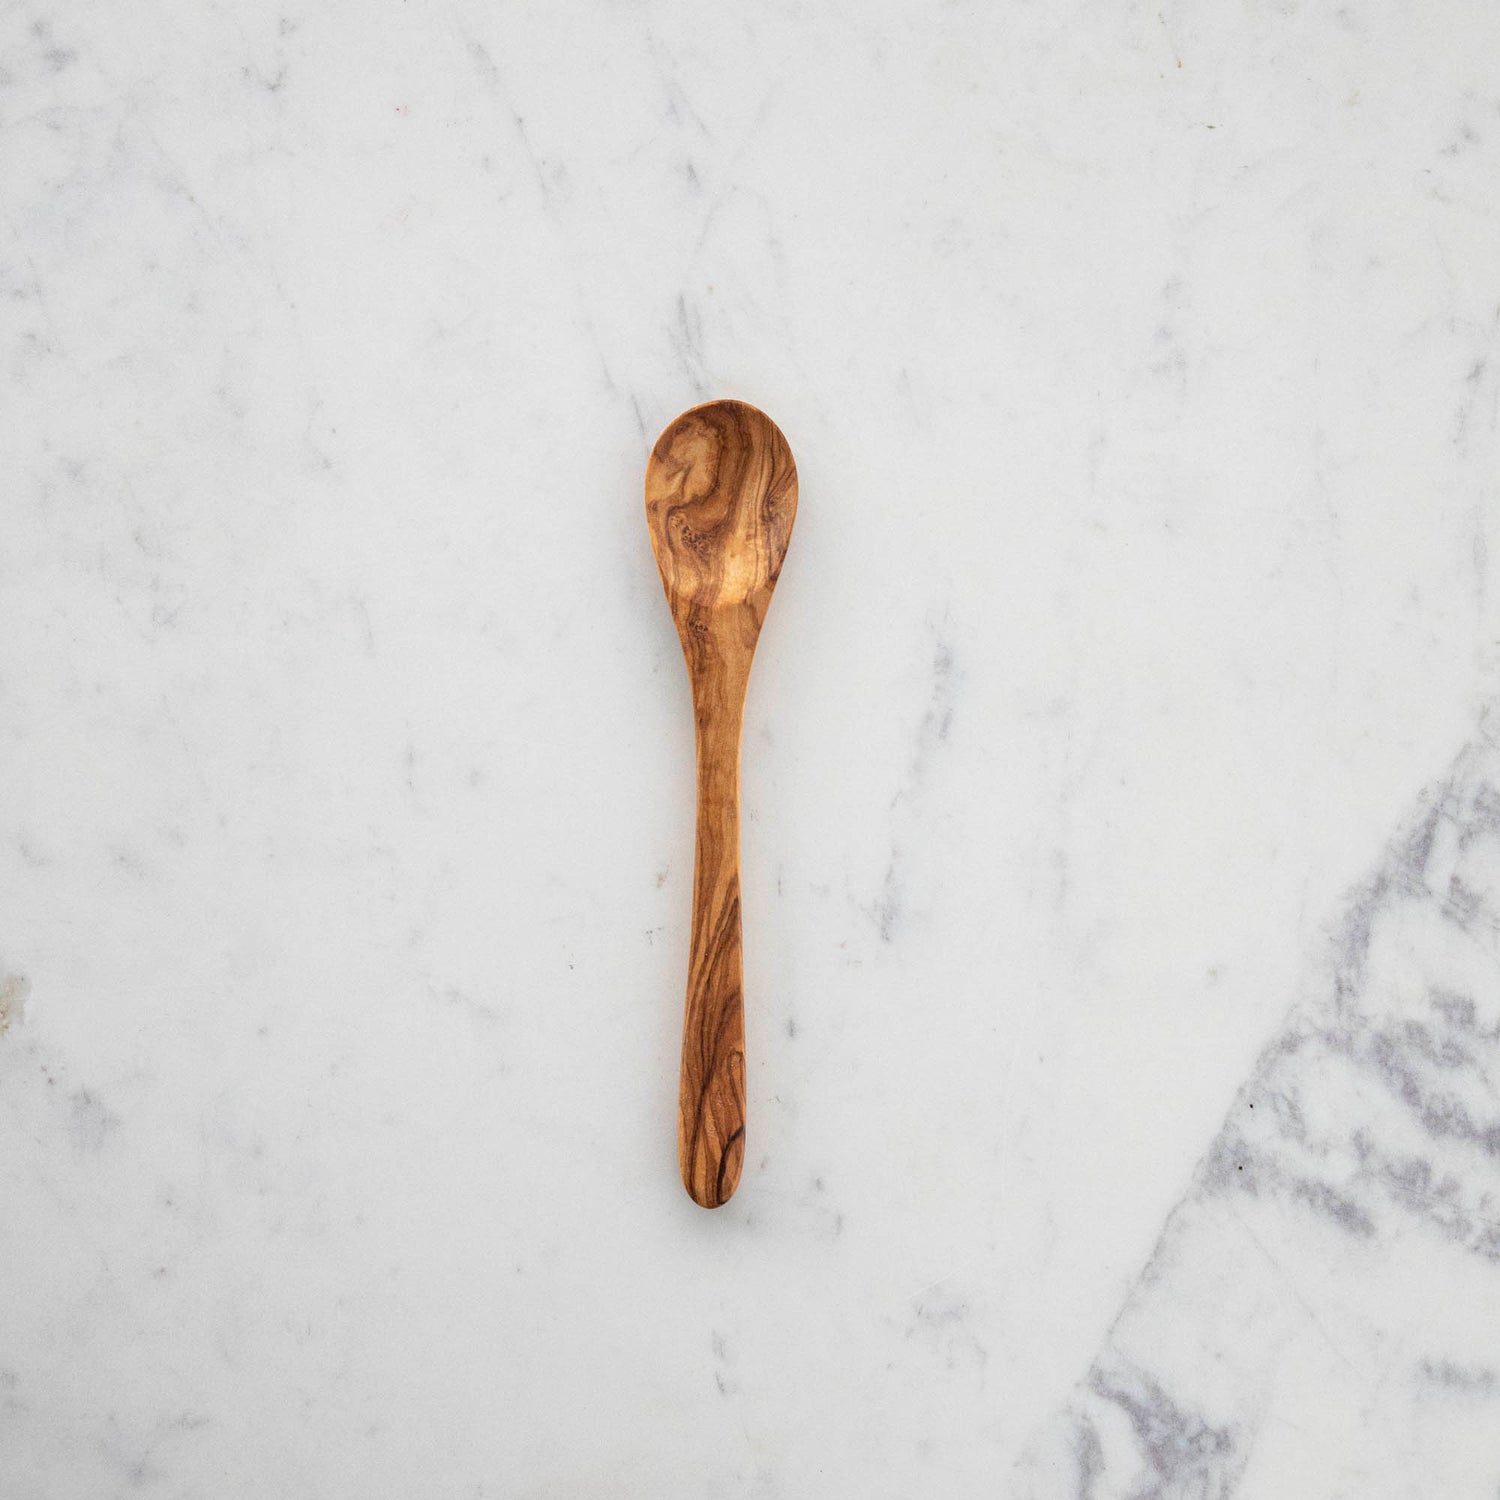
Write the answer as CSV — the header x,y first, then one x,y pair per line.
x,y
719,711
719,717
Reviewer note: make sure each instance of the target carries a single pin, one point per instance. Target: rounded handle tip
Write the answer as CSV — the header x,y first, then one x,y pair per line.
x,y
711,1177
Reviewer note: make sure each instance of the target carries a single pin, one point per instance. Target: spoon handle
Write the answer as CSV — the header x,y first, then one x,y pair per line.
x,y
711,1106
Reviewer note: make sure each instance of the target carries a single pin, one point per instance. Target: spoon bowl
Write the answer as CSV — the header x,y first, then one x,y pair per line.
x,y
721,497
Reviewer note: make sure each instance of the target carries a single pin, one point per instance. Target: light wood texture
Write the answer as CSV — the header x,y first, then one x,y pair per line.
x,y
721,496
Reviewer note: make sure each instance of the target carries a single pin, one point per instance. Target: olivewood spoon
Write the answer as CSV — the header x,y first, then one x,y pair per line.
x,y
721,496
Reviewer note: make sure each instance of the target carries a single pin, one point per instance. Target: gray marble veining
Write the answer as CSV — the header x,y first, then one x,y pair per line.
x,y
1353,1190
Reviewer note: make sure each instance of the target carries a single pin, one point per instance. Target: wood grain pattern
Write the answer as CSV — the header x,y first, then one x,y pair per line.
x,y
721,496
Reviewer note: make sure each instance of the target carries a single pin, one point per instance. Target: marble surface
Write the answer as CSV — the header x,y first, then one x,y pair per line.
x,y
1122,809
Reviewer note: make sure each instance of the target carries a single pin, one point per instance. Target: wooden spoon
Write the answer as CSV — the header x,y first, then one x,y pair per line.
x,y
721,496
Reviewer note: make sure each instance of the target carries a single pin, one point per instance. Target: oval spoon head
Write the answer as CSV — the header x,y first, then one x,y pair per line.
x,y
721,496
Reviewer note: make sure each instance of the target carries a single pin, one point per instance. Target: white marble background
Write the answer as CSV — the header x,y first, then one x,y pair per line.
x,y
1140,364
